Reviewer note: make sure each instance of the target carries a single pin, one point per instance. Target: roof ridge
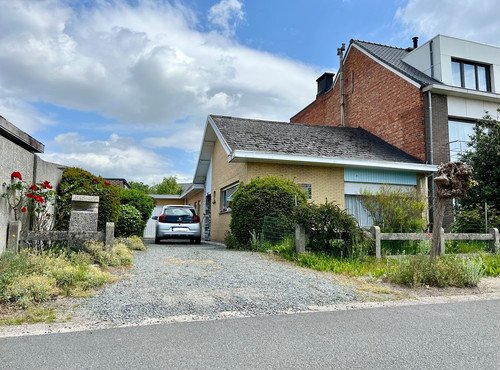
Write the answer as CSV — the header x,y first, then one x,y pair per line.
x,y
378,44
296,124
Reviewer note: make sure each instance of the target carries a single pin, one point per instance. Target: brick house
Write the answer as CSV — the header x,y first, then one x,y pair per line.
x,y
330,163
424,100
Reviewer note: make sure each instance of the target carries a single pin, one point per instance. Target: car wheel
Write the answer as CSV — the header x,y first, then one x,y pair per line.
x,y
157,240
197,240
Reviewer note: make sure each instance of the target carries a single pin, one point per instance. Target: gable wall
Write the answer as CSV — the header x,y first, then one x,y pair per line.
x,y
377,100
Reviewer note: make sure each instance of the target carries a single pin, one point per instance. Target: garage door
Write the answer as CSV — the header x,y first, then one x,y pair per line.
x,y
150,230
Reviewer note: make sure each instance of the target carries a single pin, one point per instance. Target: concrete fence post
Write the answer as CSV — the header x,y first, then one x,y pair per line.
x,y
442,244
13,236
300,239
109,236
375,231
495,243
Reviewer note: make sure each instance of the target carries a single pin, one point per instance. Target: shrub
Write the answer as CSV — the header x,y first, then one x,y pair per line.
x,y
133,242
261,197
395,210
27,289
140,200
331,230
416,271
78,181
129,222
473,220
119,256
491,264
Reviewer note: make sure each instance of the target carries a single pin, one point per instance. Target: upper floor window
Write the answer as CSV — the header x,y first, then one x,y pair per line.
x,y
307,189
470,75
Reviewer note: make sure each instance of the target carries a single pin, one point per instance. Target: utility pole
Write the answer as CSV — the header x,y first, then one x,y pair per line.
x,y
340,53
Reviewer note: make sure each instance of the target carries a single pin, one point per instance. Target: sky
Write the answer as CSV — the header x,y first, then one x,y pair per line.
x,y
123,88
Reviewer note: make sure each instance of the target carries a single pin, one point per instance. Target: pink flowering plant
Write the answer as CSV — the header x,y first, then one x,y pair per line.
x,y
36,200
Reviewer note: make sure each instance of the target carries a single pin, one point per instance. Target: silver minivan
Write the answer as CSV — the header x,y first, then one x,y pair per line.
x,y
178,222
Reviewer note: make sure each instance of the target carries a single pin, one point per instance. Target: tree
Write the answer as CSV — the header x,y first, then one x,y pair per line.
x,y
485,160
145,188
140,200
169,185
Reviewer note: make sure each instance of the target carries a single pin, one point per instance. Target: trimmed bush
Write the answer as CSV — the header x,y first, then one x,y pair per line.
x,y
78,181
332,230
261,197
140,200
129,222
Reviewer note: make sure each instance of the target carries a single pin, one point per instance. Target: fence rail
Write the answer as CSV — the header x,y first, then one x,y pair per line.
x,y
14,235
492,236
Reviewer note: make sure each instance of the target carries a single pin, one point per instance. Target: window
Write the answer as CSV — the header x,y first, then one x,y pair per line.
x,y
355,208
460,133
227,197
470,75
307,189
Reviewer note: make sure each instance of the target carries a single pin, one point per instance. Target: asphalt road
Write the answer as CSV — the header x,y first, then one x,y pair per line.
x,y
463,335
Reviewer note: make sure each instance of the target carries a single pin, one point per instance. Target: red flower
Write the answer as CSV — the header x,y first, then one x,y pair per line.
x,y
107,183
39,199
24,209
30,195
16,175
95,180
33,187
46,185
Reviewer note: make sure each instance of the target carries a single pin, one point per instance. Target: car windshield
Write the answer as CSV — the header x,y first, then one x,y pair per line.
x,y
179,214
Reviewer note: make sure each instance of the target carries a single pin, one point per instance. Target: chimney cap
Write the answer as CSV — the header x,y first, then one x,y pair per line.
x,y
415,42
326,74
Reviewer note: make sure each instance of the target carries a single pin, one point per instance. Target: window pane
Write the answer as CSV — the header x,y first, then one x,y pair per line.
x,y
459,133
481,76
308,190
455,74
355,208
470,76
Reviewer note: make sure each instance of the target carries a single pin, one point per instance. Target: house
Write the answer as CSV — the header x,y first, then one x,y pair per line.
x,y
20,152
424,99
120,182
329,163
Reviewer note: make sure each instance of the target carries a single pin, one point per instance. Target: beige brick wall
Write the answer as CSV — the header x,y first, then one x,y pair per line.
x,y
196,201
223,174
327,183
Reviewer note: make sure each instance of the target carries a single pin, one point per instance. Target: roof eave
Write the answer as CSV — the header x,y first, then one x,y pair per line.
x,y
254,156
462,93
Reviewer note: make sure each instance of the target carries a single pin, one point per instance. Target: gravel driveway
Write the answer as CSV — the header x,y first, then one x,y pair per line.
x,y
210,282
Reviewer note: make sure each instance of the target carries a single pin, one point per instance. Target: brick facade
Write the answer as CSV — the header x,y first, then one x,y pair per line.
x,y
376,99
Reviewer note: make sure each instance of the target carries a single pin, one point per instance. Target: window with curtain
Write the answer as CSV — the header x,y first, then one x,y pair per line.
x,y
355,208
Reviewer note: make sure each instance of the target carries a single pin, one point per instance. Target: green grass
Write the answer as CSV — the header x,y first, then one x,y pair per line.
x,y
491,263
32,315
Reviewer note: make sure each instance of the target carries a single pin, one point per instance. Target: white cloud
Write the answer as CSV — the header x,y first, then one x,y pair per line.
x,y
226,15
115,156
468,19
144,63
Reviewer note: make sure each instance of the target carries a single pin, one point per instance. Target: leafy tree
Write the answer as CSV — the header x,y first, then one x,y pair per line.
x,y
145,188
485,161
168,185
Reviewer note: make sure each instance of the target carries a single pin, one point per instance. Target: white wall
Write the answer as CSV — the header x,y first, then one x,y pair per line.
x,y
470,108
445,48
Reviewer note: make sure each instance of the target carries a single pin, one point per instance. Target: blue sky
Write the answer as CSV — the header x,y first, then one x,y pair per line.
x,y
122,88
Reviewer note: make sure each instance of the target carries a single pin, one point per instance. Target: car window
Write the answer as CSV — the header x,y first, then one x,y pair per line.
x,y
179,212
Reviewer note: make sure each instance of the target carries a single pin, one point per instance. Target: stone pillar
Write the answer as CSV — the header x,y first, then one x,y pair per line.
x,y
375,230
300,239
110,236
496,240
442,244
13,236
84,213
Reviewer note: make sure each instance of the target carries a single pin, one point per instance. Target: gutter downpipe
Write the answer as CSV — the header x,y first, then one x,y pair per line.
x,y
431,157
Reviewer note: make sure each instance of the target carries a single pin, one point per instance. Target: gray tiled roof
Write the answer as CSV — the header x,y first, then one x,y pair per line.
x,y
393,56
307,140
